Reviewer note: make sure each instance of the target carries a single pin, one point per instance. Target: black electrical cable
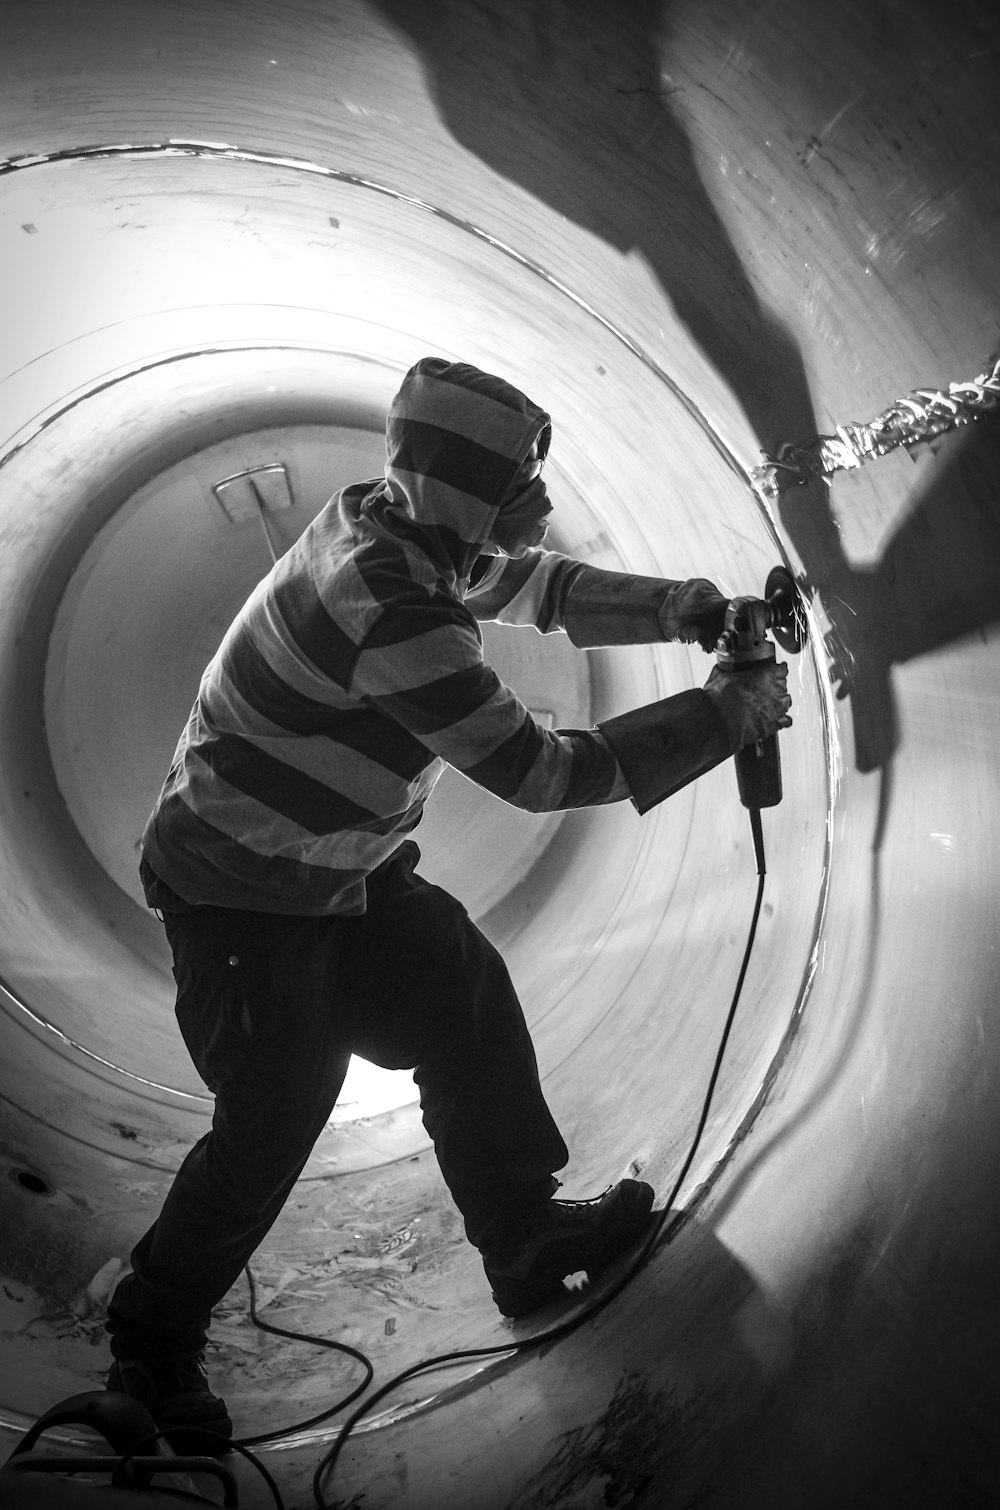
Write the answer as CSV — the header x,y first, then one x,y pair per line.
x,y
328,1342
328,1462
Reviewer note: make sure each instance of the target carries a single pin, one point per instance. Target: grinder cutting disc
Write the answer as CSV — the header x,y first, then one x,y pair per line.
x,y
788,621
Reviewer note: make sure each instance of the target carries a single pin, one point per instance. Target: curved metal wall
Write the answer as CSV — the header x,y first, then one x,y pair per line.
x,y
692,232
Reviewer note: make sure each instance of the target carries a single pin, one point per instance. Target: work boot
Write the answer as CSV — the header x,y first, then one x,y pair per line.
x,y
176,1394
564,1238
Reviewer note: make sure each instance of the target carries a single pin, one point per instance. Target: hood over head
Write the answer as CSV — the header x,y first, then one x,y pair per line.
x,y
455,437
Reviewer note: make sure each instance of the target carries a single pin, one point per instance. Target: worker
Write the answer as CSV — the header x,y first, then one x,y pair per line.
x,y
279,859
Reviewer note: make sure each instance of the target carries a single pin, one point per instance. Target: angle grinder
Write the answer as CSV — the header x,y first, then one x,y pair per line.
x,y
742,645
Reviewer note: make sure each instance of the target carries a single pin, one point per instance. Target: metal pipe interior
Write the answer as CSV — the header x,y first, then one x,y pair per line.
x,y
691,234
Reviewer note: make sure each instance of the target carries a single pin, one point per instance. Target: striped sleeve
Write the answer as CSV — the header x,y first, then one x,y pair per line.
x,y
426,671
531,590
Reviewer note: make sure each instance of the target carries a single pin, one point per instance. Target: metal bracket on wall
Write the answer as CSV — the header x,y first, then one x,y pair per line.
x,y
244,494
253,494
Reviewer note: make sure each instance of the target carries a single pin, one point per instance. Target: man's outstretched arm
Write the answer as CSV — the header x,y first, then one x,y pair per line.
x,y
663,746
595,607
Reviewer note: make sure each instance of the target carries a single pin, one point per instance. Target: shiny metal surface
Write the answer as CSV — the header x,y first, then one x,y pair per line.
x,y
692,232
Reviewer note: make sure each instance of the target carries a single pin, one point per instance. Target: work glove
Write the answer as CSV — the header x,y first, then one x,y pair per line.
x,y
752,703
663,746
693,612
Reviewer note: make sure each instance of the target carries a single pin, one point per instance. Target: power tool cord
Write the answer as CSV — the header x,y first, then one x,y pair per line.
x,y
339,1347
328,1462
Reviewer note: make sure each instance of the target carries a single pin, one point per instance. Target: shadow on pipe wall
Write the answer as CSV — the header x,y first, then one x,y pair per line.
x,y
593,127
936,580
591,130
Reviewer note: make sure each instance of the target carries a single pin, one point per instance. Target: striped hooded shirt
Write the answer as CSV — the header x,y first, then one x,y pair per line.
x,y
354,673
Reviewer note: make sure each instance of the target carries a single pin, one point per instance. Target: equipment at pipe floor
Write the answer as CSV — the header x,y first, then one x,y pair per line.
x,y
703,237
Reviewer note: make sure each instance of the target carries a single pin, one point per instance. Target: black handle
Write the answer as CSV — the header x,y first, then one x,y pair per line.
x,y
758,773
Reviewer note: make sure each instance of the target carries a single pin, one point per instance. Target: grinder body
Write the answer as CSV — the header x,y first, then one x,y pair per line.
x,y
743,645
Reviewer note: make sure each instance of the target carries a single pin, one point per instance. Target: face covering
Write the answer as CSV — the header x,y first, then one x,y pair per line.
x,y
529,500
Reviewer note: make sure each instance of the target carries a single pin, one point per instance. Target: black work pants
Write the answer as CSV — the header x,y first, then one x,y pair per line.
x,y
271,1008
